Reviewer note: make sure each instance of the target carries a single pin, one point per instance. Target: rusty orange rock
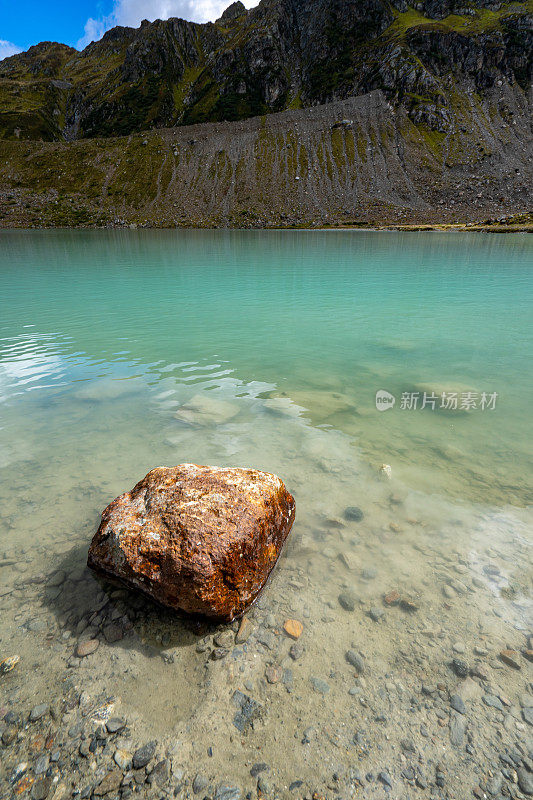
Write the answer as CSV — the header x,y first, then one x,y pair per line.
x,y
293,628
198,539
392,598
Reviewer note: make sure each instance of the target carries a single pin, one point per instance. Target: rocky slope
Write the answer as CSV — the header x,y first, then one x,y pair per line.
x,y
300,167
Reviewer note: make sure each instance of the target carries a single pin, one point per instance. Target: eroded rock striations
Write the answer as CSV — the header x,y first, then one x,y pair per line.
x,y
198,539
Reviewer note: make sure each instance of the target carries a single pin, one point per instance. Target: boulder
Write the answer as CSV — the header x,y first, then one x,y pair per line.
x,y
202,540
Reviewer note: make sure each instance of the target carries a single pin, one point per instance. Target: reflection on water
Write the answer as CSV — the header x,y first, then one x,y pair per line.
x,y
120,352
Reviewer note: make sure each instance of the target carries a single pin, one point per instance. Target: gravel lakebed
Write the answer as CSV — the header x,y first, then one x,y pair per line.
x,y
382,660
389,656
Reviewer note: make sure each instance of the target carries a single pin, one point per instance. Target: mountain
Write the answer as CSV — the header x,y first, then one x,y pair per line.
x,y
294,113
435,58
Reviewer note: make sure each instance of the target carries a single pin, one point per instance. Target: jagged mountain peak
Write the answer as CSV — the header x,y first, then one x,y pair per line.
x,y
428,57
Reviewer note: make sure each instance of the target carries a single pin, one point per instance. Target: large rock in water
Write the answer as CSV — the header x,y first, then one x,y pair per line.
x,y
202,540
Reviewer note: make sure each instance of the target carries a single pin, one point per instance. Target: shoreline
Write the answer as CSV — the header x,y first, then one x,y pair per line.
x,y
459,227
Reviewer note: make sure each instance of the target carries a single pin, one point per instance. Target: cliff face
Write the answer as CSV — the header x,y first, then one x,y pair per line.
x,y
434,59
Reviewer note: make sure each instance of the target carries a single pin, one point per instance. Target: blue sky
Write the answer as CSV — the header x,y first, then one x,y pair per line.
x,y
77,22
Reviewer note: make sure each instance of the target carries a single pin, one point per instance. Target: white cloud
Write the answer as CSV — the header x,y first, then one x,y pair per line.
x,y
94,30
132,12
8,49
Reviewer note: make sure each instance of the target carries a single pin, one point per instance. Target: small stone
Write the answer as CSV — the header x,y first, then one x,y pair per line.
x,y
57,578
257,768
293,628
495,784
111,783
356,661
84,750
202,645
525,781
224,792
144,755
369,573
384,777
296,651
392,598
19,771
394,527
245,629
159,774
421,781
510,657
468,690
249,711
87,648
115,724
527,714
273,674
39,711
9,735
349,561
267,639
457,730
481,671
37,625
459,587
385,471
41,788
309,735
319,685
9,663
347,600
225,639
376,614
353,514
113,633
219,653
123,759
528,654
199,783
457,704
493,701
23,785
458,647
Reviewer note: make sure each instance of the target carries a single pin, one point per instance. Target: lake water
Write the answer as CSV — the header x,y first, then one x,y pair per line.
x,y
121,351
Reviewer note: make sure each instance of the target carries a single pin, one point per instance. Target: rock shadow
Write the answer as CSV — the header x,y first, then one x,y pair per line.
x,y
91,607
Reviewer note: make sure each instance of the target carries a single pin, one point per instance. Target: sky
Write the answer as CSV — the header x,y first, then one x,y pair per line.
x,y
78,22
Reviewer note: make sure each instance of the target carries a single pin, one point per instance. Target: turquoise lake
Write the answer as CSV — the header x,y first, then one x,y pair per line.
x,y
121,351
121,319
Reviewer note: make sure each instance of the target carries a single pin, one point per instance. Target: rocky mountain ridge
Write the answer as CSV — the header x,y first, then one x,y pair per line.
x,y
434,59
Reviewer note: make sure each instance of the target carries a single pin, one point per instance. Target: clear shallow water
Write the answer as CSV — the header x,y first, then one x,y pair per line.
x,y
120,351
127,315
